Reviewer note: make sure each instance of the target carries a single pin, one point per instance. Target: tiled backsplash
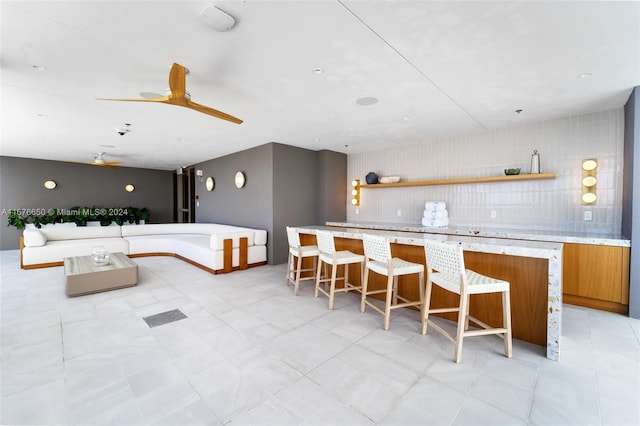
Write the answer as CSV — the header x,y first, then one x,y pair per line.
x,y
553,205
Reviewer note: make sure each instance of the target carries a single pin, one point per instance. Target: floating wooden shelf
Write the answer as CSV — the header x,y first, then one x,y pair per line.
x,y
484,179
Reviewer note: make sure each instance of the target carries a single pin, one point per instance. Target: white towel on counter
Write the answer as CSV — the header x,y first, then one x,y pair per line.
x,y
435,205
435,223
435,214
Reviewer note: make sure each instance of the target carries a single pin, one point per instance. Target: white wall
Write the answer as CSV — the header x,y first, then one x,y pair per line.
x,y
544,205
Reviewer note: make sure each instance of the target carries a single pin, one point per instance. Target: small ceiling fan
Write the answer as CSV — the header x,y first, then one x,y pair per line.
x,y
98,160
180,97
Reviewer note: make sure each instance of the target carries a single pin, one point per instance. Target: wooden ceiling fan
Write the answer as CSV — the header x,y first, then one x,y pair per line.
x,y
98,160
180,97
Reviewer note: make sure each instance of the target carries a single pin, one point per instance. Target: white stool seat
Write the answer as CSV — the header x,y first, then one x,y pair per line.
x,y
399,266
476,283
330,256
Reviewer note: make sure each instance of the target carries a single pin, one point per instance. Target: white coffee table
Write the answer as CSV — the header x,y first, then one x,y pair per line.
x,y
83,277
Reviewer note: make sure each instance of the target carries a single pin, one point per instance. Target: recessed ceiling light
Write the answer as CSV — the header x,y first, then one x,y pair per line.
x,y
38,67
518,111
43,115
405,118
585,75
318,71
367,100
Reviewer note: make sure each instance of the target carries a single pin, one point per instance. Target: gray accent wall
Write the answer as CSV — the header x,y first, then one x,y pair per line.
x,y
21,187
285,185
631,196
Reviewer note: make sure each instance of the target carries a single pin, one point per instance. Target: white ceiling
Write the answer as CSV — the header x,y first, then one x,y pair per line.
x,y
437,69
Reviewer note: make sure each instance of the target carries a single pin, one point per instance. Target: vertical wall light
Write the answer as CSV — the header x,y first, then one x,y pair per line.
x,y
200,175
589,181
355,192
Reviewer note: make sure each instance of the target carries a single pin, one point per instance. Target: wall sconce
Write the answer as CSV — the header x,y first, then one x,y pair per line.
x,y
355,192
199,174
589,181
50,184
129,188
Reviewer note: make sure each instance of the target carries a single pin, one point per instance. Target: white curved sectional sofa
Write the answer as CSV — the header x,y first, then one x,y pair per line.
x,y
213,247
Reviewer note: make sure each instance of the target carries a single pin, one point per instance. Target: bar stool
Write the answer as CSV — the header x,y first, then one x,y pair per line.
x,y
299,253
377,251
445,268
329,256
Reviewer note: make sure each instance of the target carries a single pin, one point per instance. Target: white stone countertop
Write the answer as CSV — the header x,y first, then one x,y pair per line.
x,y
515,234
514,247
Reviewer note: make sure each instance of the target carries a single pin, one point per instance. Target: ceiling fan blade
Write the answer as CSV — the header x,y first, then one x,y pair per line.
x,y
177,81
162,99
106,166
213,112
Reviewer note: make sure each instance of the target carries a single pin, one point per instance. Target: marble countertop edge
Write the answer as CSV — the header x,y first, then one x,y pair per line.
x,y
514,234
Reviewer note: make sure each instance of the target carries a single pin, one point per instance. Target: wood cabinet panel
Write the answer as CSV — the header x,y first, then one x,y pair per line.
x,y
593,271
596,276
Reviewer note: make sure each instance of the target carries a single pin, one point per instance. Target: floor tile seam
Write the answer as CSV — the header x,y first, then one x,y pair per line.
x,y
526,419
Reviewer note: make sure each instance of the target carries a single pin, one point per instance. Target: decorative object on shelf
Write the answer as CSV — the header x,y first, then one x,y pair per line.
x,y
200,175
99,256
535,162
50,184
389,179
371,178
240,180
355,192
129,188
512,172
210,184
589,181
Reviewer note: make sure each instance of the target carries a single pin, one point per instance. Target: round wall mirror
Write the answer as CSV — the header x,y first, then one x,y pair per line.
x,y
210,183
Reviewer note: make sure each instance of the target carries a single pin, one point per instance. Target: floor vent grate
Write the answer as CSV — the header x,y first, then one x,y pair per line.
x,y
164,318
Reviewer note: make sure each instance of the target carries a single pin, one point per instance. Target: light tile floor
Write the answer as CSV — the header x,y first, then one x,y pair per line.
x,y
251,352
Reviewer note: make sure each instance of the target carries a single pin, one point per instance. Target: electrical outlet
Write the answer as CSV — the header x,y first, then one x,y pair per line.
x,y
493,214
399,212
588,215
357,210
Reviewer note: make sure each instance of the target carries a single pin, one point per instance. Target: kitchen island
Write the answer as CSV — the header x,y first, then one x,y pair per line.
x,y
534,269
595,265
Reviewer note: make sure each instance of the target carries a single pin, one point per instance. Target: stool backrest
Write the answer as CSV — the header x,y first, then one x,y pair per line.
x,y
444,257
376,247
326,243
293,237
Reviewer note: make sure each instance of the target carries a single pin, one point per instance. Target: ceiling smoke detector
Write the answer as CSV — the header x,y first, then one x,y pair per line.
x,y
217,19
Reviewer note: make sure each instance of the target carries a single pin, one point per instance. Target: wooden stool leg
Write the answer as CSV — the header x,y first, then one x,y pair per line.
x,y
391,283
462,318
289,269
318,277
425,306
506,315
299,266
332,291
365,282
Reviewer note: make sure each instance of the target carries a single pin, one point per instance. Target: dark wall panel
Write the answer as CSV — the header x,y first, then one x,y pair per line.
x,y
250,206
631,196
21,186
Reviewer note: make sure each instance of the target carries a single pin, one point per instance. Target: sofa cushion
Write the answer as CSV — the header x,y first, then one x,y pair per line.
x,y
70,231
56,251
34,238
